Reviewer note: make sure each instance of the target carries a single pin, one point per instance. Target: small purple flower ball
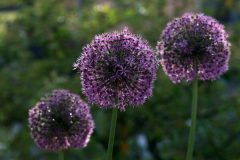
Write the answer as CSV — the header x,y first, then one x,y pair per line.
x,y
117,69
194,46
61,120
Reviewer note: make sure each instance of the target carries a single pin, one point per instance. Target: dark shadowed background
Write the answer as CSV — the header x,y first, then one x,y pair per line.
x,y
40,40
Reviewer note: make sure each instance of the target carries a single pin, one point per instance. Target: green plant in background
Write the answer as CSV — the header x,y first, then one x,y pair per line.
x,y
25,77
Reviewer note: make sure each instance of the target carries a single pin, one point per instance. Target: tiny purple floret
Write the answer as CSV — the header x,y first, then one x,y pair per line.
x,y
194,46
61,120
117,69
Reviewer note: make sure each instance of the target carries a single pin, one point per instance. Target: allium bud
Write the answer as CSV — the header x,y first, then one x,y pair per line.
x,y
194,46
117,69
61,120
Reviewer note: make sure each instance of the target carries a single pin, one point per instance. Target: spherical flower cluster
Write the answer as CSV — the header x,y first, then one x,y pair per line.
x,y
194,46
61,120
117,69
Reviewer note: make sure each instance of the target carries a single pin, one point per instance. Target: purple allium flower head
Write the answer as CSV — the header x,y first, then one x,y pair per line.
x,y
194,45
61,120
117,69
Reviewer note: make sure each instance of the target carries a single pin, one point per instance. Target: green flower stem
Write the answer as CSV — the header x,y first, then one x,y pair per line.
x,y
112,134
193,121
61,155
198,4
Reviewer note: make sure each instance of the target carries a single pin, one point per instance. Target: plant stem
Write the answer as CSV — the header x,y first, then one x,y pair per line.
x,y
192,133
112,134
61,155
198,4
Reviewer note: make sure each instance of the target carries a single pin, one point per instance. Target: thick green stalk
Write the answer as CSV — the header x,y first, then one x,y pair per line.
x,y
61,155
112,134
192,133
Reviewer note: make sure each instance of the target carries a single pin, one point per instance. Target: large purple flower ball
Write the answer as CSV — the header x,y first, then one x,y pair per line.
x,y
194,46
61,120
117,69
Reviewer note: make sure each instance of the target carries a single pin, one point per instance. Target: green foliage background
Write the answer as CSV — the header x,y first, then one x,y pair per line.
x,y
42,38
